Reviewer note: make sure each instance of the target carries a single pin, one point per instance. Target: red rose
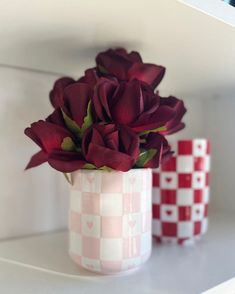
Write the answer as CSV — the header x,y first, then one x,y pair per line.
x,y
157,142
57,93
57,147
90,77
130,103
175,124
128,66
111,146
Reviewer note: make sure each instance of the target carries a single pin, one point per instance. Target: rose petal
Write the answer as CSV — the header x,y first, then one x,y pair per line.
x,y
37,159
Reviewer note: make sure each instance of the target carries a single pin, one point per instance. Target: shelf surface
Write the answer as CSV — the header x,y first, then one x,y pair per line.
x,y
40,264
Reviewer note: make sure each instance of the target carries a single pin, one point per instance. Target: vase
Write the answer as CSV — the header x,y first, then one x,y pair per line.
x,y
110,219
181,193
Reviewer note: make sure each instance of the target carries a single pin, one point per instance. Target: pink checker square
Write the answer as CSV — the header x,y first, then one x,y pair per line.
x,y
169,229
75,222
168,196
184,213
156,211
111,227
199,163
185,180
208,148
112,183
91,247
185,147
169,165
131,202
198,196
111,266
197,228
131,247
156,179
90,203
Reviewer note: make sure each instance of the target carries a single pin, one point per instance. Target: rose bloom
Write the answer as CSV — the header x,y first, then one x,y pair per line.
x,y
49,137
133,104
129,66
110,146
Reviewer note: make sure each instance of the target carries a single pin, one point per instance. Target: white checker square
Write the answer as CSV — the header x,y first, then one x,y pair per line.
x,y
185,197
168,180
75,243
198,180
91,264
156,195
131,263
206,195
157,227
91,182
146,243
198,212
90,225
185,163
207,162
185,229
111,204
199,147
168,213
111,249
204,225
146,201
75,200
132,225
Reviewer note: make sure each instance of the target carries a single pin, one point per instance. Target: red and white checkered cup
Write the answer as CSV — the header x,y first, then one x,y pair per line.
x,y
110,219
181,193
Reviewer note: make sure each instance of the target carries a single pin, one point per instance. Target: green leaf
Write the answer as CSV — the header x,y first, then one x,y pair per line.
x,y
102,69
68,178
145,156
106,168
87,119
89,166
161,129
68,144
71,124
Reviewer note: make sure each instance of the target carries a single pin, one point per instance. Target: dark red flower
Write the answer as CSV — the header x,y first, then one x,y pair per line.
x,y
56,145
110,146
130,103
175,124
57,93
159,143
128,66
90,77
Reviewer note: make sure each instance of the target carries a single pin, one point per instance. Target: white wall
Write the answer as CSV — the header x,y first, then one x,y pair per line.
x,y
34,200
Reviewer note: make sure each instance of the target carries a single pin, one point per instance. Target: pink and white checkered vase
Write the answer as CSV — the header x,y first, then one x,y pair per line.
x,y
110,219
181,193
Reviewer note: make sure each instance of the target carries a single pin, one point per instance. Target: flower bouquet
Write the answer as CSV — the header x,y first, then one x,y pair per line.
x,y
109,121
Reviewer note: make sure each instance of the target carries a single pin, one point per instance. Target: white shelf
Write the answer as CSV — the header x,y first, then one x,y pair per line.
x,y
171,269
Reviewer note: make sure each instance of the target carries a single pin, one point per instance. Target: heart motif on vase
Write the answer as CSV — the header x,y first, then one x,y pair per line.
x,y
199,146
90,224
90,178
198,179
132,180
168,179
132,223
169,212
198,211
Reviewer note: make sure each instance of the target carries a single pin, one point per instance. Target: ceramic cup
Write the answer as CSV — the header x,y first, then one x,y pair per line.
x,y
110,219
181,193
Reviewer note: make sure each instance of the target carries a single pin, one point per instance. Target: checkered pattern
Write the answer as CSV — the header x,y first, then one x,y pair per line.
x,y
110,219
181,193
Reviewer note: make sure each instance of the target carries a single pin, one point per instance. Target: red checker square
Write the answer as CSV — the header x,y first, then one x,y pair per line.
x,y
185,180
207,179
208,148
206,210
168,196
198,196
182,240
158,239
185,147
169,229
156,211
197,228
169,165
156,179
199,163
184,213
